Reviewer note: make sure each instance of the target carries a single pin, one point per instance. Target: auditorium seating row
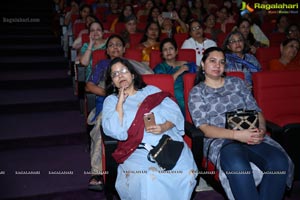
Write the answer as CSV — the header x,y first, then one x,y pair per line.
x,y
277,93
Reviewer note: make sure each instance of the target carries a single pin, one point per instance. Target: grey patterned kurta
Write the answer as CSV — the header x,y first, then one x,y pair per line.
x,y
208,106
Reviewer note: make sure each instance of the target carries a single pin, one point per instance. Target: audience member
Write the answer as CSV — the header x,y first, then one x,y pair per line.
x,y
282,22
130,28
197,41
224,18
68,22
198,10
84,12
172,25
243,26
113,8
292,31
231,151
169,6
115,47
150,41
237,58
123,107
256,31
177,69
99,4
153,14
289,49
210,30
185,14
77,44
127,11
96,42
145,10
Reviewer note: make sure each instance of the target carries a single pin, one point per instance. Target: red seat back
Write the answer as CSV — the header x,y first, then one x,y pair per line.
x,y
220,39
85,38
119,27
134,54
264,55
163,81
78,27
276,38
135,39
278,95
98,55
180,38
188,55
111,17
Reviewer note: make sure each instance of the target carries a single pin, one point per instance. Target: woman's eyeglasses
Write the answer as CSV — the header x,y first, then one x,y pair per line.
x,y
117,73
235,41
112,45
196,28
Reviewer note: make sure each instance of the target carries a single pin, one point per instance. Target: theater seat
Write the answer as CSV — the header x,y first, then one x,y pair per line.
x,y
264,55
166,83
277,94
188,55
134,54
163,81
276,38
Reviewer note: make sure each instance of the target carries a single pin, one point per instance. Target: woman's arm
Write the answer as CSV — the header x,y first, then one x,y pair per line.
x,y
160,128
248,136
95,89
86,56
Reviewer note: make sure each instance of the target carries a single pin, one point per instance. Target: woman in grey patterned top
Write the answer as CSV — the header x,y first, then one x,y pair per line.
x,y
243,157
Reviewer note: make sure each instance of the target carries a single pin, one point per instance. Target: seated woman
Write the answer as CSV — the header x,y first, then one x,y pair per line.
x,y
258,34
126,12
177,69
149,41
172,25
77,44
237,58
243,25
289,49
153,14
231,151
96,42
122,118
211,31
130,28
197,40
115,47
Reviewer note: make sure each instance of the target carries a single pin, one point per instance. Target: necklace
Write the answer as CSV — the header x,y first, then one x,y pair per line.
x,y
199,47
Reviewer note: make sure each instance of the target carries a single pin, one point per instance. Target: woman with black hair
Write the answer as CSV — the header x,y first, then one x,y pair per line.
x,y
251,165
129,98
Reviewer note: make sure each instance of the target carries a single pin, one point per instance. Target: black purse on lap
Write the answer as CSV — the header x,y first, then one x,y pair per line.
x,y
166,153
242,119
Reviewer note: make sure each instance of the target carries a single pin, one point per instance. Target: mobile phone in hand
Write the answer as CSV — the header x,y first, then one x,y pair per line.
x,y
167,15
149,119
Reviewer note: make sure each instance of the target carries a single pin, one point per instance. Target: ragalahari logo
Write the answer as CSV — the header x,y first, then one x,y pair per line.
x,y
246,8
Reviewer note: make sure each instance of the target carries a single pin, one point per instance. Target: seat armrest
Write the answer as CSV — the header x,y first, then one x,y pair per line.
x,y
80,80
275,131
111,165
90,101
196,136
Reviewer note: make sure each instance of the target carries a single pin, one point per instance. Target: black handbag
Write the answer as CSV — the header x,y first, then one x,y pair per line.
x,y
166,153
242,119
